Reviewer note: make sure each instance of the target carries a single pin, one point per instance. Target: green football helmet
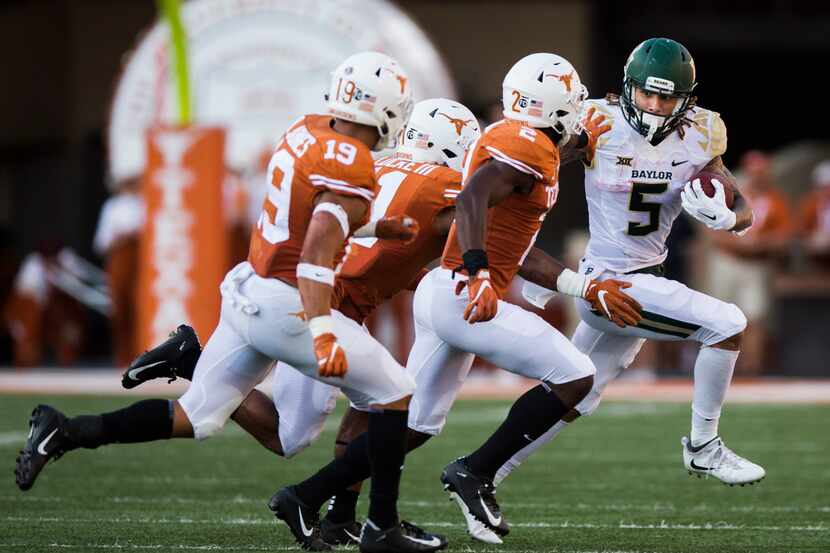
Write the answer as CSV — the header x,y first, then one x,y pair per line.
x,y
665,67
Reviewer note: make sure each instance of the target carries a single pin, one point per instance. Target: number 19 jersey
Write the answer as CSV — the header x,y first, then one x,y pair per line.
x,y
633,188
310,159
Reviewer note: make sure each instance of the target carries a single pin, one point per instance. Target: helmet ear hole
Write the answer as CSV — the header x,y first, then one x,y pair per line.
x,y
449,153
561,113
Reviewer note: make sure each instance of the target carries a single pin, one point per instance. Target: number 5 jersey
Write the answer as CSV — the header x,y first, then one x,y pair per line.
x,y
633,188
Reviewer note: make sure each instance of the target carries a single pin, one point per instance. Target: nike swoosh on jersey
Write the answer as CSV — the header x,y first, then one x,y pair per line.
x,y
306,531
41,448
676,163
495,521
133,373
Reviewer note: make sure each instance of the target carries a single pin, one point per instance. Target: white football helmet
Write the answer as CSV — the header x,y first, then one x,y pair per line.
x,y
370,88
544,90
439,131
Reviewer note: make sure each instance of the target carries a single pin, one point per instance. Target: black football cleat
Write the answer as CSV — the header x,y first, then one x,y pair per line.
x,y
303,521
474,495
175,357
403,538
47,440
345,533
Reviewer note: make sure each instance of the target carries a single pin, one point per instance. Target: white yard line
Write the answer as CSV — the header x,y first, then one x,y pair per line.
x,y
604,507
622,525
12,438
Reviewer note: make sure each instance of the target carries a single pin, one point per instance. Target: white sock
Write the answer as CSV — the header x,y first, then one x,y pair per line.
x,y
713,373
527,451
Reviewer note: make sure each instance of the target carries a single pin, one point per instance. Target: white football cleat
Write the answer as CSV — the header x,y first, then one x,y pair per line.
x,y
715,459
476,528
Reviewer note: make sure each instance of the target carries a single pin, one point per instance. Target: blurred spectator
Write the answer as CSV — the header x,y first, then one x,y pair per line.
x,y
116,241
815,217
40,315
740,267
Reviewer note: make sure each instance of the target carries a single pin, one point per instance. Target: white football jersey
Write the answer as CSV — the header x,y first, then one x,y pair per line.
x,y
633,188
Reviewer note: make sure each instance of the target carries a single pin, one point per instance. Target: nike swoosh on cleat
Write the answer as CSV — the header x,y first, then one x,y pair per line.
x,y
434,542
710,217
698,467
306,531
355,538
181,347
41,448
461,474
133,373
495,521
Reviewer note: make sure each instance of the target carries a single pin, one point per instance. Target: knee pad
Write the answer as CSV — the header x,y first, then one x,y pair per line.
x,y
731,321
202,430
590,402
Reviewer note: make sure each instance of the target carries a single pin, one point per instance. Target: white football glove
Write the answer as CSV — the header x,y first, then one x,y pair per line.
x,y
712,212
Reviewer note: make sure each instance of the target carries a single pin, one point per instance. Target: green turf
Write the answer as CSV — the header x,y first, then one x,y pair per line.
x,y
613,482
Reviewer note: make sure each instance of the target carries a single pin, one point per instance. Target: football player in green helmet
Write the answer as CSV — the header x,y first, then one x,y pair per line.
x,y
657,88
640,175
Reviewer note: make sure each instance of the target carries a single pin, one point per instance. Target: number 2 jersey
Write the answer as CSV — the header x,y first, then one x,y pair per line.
x,y
310,159
513,224
633,188
375,270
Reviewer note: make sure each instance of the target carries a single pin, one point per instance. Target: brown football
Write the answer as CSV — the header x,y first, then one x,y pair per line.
x,y
708,189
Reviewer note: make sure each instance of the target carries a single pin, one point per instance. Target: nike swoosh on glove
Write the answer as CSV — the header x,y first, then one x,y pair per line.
x,y
712,212
484,302
397,227
618,307
331,359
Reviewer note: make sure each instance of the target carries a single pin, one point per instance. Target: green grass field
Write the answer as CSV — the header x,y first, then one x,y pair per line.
x,y
613,482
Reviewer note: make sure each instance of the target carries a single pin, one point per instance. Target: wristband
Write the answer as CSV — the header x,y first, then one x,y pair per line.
x,y
473,262
323,275
571,283
323,324
338,212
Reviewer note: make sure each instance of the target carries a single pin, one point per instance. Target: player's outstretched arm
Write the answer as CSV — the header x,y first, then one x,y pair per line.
x,y
606,296
333,216
488,186
594,125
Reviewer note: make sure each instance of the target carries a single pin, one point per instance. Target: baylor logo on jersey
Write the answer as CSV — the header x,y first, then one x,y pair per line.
x,y
644,174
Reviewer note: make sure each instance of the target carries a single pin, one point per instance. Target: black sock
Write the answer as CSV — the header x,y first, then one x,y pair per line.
x,y
145,421
342,507
530,417
387,449
351,468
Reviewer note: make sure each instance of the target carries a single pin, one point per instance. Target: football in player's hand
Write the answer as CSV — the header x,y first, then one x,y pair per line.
x,y
709,189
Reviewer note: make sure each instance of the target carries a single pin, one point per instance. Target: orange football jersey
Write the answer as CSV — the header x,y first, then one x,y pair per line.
x,y
815,213
310,159
375,270
513,224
